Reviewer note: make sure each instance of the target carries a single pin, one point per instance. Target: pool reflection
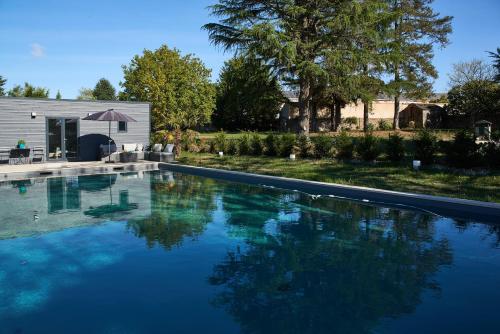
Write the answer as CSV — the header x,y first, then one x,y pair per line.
x,y
280,261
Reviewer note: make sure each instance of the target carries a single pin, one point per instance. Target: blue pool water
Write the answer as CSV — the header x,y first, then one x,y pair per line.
x,y
164,252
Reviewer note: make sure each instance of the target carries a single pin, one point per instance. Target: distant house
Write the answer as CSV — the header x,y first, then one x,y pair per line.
x,y
56,126
423,115
382,108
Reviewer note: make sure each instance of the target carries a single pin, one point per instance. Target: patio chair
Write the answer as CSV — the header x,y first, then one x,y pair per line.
x,y
38,154
4,155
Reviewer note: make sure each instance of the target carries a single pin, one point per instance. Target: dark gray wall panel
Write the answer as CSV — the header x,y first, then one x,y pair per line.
x,y
16,122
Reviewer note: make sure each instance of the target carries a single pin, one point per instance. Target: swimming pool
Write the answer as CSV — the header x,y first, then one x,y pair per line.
x,y
169,252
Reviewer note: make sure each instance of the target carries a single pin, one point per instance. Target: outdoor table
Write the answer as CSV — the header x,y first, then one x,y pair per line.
x,y
19,156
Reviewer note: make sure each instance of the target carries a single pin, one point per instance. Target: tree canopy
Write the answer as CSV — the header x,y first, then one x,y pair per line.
x,y
416,28
58,95
104,90
28,91
85,94
294,37
2,84
496,63
178,88
248,96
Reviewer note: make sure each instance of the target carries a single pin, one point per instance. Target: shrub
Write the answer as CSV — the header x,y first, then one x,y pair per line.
x,y
426,146
383,125
491,154
368,147
350,122
287,143
204,146
463,151
257,145
304,147
244,144
272,144
220,142
395,148
371,127
343,146
190,141
162,137
322,146
232,147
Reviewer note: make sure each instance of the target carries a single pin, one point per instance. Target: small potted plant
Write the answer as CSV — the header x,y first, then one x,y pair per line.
x,y
21,143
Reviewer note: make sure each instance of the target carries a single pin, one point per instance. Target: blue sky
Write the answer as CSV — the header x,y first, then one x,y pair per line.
x,y
66,45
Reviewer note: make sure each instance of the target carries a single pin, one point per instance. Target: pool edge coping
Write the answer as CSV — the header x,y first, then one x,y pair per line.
x,y
440,205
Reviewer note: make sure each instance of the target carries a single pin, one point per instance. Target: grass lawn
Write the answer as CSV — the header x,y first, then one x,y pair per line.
x,y
382,175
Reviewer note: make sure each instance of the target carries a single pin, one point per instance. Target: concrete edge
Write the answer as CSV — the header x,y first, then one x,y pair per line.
x,y
74,171
444,206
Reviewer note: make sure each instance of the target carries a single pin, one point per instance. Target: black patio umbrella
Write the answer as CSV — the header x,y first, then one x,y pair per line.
x,y
109,115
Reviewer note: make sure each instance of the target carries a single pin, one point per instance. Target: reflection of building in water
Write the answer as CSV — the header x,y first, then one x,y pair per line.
x,y
45,205
63,194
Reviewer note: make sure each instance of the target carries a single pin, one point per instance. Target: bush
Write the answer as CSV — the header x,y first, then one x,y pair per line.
x,y
257,145
395,148
426,146
383,125
350,122
343,146
190,141
272,144
204,146
322,146
368,147
491,154
162,137
244,144
304,147
232,147
287,143
220,142
463,151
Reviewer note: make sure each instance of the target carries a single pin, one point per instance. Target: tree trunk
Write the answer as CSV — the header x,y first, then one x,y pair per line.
x,y
332,117
395,122
338,115
304,106
314,117
366,110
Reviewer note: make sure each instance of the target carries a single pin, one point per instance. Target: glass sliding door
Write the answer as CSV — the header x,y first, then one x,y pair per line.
x,y
62,138
54,139
71,138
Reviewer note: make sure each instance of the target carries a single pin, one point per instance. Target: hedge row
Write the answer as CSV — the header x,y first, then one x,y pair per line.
x,y
462,152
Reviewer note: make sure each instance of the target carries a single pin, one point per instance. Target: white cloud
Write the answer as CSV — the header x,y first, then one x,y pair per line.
x,y
37,50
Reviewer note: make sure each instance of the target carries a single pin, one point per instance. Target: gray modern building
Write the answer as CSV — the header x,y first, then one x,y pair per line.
x,y
58,128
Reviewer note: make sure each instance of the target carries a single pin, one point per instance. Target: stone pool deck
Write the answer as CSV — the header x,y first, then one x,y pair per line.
x,y
26,171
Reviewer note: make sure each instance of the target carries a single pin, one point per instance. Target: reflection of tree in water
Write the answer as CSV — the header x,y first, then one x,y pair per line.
x,y
180,208
339,267
489,231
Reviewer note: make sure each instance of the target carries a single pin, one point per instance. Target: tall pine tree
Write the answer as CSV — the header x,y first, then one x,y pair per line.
x,y
292,36
416,28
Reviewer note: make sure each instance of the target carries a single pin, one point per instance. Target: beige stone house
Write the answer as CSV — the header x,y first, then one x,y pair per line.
x,y
382,108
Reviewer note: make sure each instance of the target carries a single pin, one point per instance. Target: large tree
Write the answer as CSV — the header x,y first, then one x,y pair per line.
x,y
496,63
178,88
473,98
28,91
416,29
85,94
473,70
104,90
248,96
2,84
294,37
